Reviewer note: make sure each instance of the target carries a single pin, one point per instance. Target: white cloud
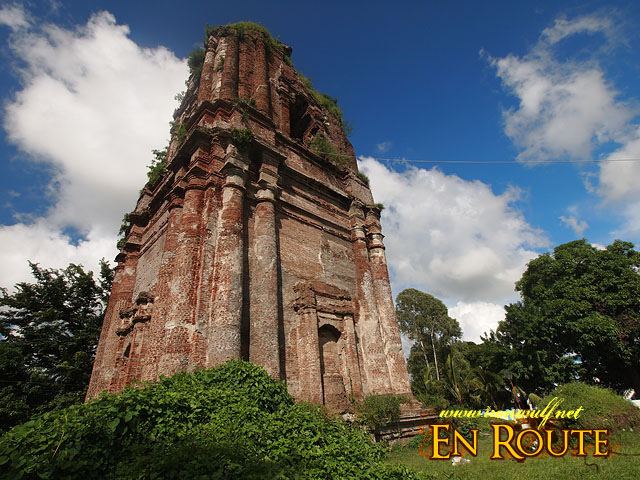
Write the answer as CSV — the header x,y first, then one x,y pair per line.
x,y
477,318
619,186
619,179
453,238
590,24
575,224
569,109
40,243
14,17
384,147
92,104
566,108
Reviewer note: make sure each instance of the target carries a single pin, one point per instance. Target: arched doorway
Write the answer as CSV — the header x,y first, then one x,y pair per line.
x,y
334,393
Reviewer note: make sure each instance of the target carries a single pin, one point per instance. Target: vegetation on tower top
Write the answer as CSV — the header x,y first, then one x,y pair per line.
x,y
246,28
242,29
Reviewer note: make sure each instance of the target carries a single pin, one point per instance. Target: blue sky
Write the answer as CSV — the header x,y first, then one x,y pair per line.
x,y
520,82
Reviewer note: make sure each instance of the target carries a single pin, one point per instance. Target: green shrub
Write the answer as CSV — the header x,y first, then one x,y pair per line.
x,y
603,408
125,224
433,400
378,412
229,422
464,425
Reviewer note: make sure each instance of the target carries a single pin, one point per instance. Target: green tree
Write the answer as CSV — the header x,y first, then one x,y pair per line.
x,y
578,318
463,383
426,321
49,332
487,361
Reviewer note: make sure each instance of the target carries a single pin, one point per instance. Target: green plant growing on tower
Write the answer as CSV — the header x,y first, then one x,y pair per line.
x,y
327,102
241,138
244,105
241,29
125,224
179,130
378,412
158,166
195,61
322,146
363,178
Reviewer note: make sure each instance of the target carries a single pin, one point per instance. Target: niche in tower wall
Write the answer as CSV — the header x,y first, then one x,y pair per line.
x,y
330,310
333,367
299,117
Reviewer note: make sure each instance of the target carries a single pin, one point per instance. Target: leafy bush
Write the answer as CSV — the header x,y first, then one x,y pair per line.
x,y
229,422
125,224
433,400
464,425
380,411
603,408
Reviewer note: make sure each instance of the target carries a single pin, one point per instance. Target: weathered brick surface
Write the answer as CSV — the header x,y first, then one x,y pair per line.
x,y
272,253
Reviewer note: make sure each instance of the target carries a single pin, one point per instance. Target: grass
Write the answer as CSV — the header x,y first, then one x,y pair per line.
x,y
618,467
325,101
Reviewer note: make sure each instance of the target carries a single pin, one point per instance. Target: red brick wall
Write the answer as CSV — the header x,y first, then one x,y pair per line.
x,y
271,254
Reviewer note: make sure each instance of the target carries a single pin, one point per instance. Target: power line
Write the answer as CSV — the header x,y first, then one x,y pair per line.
x,y
504,162
488,162
485,162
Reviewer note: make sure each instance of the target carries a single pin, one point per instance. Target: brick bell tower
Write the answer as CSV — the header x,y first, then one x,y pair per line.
x,y
260,241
